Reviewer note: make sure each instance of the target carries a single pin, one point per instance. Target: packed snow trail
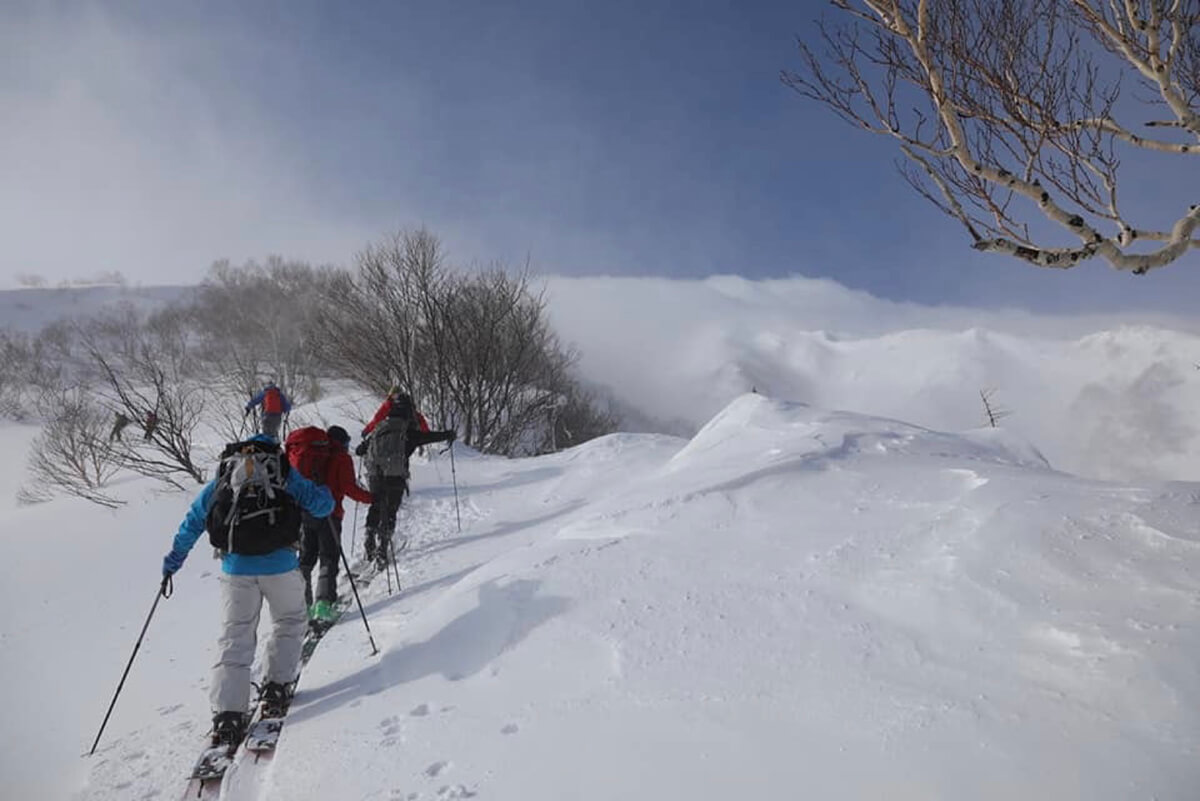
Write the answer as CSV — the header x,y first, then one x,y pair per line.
x,y
794,602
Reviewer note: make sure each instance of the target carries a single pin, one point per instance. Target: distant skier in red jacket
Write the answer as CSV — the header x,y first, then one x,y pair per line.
x,y
385,410
321,539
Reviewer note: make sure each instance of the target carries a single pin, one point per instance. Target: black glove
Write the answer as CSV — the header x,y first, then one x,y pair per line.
x,y
361,450
453,436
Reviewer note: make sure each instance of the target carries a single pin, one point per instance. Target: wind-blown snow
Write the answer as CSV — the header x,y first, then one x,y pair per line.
x,y
794,603
1109,397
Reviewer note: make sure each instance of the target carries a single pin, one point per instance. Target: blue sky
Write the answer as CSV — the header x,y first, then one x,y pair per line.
x,y
618,137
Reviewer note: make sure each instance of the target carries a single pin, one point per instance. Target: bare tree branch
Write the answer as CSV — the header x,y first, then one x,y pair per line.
x,y
1010,112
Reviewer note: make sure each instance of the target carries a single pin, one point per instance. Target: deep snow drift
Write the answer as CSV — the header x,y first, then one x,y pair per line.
x,y
794,603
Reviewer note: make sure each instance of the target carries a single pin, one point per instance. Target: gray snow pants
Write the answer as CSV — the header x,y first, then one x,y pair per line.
x,y
270,424
241,603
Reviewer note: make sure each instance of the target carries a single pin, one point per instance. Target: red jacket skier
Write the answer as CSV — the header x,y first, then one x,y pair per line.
x,y
385,409
320,539
339,476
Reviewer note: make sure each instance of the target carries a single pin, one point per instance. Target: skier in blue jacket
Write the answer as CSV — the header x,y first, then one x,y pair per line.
x,y
246,580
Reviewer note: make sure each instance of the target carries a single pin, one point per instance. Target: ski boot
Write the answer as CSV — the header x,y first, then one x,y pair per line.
x,y
228,728
324,612
275,699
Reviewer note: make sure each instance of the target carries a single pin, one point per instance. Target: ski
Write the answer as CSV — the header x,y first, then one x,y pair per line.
x,y
213,762
209,770
262,734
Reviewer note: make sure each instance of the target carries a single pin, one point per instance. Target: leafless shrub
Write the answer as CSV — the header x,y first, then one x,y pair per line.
x,y
1012,114
146,370
992,412
29,368
500,365
258,321
578,417
379,330
475,349
73,455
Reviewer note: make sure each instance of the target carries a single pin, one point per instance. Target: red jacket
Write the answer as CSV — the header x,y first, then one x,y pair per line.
x,y
382,412
272,401
339,477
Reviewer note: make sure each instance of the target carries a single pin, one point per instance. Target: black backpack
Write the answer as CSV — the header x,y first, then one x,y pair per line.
x,y
251,511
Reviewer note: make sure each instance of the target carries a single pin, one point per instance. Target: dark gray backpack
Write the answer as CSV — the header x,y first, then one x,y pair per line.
x,y
387,453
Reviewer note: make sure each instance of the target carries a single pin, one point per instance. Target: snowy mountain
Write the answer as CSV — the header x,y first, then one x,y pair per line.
x,y
792,603
1109,397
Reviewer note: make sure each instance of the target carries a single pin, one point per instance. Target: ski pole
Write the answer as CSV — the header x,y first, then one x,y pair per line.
x,y
353,587
164,591
454,477
396,570
386,544
354,527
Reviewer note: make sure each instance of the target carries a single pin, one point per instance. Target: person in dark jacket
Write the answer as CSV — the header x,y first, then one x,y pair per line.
x,y
322,539
245,582
119,424
388,476
274,406
385,410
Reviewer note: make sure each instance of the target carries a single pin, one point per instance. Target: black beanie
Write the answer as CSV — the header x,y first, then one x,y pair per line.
x,y
339,434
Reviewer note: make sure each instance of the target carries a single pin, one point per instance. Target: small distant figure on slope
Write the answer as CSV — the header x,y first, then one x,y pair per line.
x,y
251,512
119,424
150,426
274,406
397,430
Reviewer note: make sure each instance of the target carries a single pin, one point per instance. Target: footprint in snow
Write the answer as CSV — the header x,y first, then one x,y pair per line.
x,y
510,728
437,769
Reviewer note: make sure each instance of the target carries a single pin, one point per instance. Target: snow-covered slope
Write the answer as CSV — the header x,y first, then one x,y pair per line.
x,y
793,604
1109,397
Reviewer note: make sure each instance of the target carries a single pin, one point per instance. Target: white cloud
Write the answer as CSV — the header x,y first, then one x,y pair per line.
x,y
1102,396
129,150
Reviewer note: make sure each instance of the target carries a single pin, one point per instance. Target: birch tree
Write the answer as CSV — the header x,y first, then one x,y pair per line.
x,y
1015,116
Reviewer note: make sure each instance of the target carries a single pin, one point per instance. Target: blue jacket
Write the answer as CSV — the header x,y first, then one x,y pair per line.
x,y
257,399
313,498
